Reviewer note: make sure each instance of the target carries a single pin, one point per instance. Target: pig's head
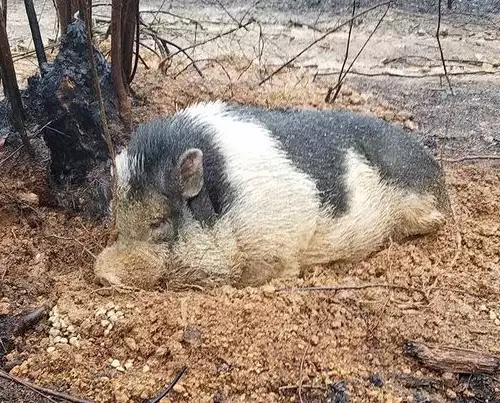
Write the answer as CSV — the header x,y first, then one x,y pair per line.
x,y
154,186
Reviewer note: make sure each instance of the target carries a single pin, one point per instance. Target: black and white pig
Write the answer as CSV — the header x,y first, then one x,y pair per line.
x,y
224,194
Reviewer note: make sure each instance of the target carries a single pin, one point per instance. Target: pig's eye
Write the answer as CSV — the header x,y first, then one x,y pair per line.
x,y
157,222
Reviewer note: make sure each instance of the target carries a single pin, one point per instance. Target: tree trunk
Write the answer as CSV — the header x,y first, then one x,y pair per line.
x,y
10,85
65,11
124,103
130,13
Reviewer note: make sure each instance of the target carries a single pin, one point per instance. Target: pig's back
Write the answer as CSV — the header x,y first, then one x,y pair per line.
x,y
317,142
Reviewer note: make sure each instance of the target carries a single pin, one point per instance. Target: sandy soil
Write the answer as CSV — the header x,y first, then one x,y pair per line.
x,y
273,343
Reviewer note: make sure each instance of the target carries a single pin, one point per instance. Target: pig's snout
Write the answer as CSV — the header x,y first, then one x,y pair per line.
x,y
140,265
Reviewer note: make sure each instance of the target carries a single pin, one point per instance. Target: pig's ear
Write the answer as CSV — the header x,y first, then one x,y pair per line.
x,y
191,172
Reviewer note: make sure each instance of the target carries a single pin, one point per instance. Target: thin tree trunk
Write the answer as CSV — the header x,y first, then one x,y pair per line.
x,y
130,13
35,34
10,85
124,103
65,11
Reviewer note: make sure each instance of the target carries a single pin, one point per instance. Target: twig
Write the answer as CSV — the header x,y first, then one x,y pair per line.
x,y
43,391
219,2
29,53
164,392
354,287
153,33
393,74
472,158
74,240
341,80
301,371
441,49
331,31
156,12
329,98
218,36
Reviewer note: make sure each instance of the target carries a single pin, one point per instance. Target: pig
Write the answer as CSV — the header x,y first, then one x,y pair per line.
x,y
220,193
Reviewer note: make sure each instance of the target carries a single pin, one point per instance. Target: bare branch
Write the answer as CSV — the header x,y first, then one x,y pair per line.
x,y
441,48
164,392
331,31
329,97
341,80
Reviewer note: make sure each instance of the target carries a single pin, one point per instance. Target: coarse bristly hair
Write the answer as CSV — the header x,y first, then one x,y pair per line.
x,y
289,189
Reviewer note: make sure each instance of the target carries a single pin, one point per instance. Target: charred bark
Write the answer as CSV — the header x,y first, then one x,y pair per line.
x,y
63,101
35,34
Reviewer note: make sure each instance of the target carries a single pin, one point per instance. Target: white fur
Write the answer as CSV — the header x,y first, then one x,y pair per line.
x,y
277,205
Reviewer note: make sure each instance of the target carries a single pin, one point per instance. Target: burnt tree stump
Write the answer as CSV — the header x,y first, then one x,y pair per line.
x,y
62,102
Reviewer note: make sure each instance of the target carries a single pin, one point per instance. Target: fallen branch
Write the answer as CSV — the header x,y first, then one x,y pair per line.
x,y
43,391
393,74
472,158
331,31
451,359
164,392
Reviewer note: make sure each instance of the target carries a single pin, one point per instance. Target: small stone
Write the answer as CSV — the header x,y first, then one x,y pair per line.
x,y
497,322
63,340
113,318
73,341
130,306
115,363
100,312
451,394
105,323
110,313
57,339
63,323
420,32
51,349
268,289
120,314
131,344
493,315
128,365
483,308
70,329
56,324
120,368
54,332
109,306
336,324
314,340
106,332
145,368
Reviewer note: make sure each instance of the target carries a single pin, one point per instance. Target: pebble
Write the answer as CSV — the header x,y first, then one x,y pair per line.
x,y
110,313
145,368
497,322
105,323
131,344
54,332
57,339
451,394
51,349
128,365
493,315
314,340
115,363
483,308
130,306
120,314
109,306
100,312
74,341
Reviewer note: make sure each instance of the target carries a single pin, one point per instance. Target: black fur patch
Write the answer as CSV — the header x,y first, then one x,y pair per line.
x,y
317,141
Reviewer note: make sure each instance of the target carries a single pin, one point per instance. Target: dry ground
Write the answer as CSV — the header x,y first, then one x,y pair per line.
x,y
257,344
